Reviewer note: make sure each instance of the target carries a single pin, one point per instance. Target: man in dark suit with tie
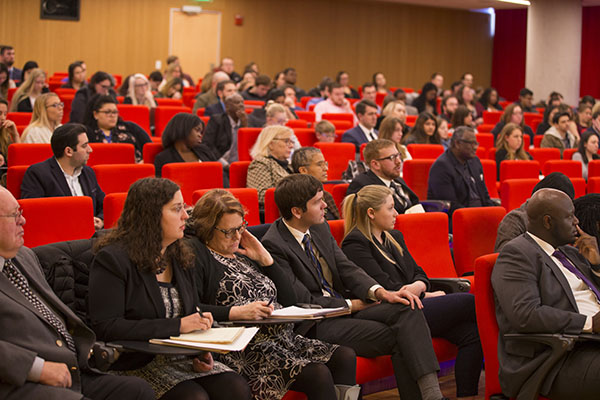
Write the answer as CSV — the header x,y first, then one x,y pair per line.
x,y
365,131
457,175
66,174
385,165
382,322
44,345
224,90
543,285
7,56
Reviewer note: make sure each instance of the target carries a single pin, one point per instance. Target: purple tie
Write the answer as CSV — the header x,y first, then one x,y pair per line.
x,y
568,265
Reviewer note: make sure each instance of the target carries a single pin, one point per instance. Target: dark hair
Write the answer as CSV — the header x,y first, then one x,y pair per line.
x,y
288,69
263,80
459,133
587,99
139,230
124,88
459,94
361,106
596,114
274,94
95,104
558,181
221,85
368,84
333,85
98,77
302,157
435,74
525,92
560,114
420,101
339,76
64,136
455,85
445,100
374,78
587,211
4,48
484,100
458,118
3,101
295,190
29,65
418,131
585,136
179,128
155,76
4,87
72,67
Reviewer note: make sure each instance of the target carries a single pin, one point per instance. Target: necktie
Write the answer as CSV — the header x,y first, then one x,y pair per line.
x,y
404,200
21,283
372,136
568,265
315,261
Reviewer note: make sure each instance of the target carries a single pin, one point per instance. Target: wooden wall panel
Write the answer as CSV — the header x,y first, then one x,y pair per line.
x,y
318,37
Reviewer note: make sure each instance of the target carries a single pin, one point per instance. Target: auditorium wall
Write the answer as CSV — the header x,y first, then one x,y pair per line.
x,y
318,37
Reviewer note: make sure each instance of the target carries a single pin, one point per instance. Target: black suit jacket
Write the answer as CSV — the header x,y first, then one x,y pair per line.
x,y
447,183
125,303
214,109
391,276
369,178
356,136
218,134
170,155
288,253
46,179
532,295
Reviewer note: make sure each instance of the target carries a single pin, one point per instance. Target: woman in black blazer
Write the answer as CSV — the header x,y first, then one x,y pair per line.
x,y
142,286
373,244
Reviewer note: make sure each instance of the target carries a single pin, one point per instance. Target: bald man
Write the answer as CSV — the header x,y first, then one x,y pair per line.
x,y
543,285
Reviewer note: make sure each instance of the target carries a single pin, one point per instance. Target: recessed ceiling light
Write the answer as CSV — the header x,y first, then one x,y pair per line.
x,y
521,2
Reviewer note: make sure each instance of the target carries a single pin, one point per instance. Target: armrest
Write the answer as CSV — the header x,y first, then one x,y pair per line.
x,y
450,285
496,201
559,343
435,205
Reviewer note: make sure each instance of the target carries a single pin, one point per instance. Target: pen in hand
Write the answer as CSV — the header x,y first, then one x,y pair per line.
x,y
215,324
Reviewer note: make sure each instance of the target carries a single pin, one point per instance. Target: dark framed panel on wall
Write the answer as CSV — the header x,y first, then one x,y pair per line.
x,y
60,9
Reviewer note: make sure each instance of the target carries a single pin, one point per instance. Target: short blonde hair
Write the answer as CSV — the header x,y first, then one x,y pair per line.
x,y
324,126
261,147
274,108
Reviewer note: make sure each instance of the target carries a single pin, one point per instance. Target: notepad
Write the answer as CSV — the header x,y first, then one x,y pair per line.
x,y
238,344
212,335
294,312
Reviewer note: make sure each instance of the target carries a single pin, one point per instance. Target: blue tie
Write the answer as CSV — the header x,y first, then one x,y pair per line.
x,y
315,261
568,265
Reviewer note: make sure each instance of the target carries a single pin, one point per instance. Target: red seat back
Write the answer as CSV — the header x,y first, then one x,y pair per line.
x,y
568,153
167,102
485,140
337,230
246,139
519,169
57,219
579,185
339,193
337,155
14,177
570,168
593,184
425,150
194,176
271,210
19,118
416,175
306,136
593,168
489,176
136,113
113,205
474,232
238,171
514,192
111,153
28,153
492,117
247,196
308,116
163,114
116,178
544,154
150,151
339,117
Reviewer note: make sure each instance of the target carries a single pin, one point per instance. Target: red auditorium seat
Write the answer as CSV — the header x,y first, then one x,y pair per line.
x,y
420,151
308,116
570,168
271,210
14,177
416,175
341,124
136,113
57,219
194,176
545,154
337,155
489,176
166,102
337,230
339,193
485,140
238,171
113,205
519,169
593,184
163,114
116,178
568,154
492,117
296,123
537,141
514,192
111,153
339,117
246,139
474,232
150,151
579,185
593,168
306,136
68,100
28,153
19,118
247,196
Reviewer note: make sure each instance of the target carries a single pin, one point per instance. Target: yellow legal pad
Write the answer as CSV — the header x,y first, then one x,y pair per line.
x,y
213,335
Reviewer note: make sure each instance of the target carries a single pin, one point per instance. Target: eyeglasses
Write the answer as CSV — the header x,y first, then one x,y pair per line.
x,y
392,158
109,112
230,232
141,84
179,208
473,143
16,215
56,105
328,134
286,141
106,87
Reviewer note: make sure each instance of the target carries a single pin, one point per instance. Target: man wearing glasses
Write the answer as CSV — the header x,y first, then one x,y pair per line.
x,y
385,166
66,174
457,175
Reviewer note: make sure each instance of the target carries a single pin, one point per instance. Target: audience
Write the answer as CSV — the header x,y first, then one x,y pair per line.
x,y
210,96
76,79
365,131
336,103
65,174
394,108
5,82
279,80
173,71
488,102
583,117
457,175
343,79
512,114
275,112
104,126
46,117
27,70
438,80
259,90
587,211
526,101
142,286
385,166
310,160
300,243
373,244
509,146
392,129
8,133
291,76
100,83
586,152
182,142
424,131
224,90
139,92
426,101
228,67
369,92
172,89
380,83
467,79
462,116
323,90
7,54
466,97
595,124
270,156
325,131
448,106
172,59
558,135
34,86
444,132
155,78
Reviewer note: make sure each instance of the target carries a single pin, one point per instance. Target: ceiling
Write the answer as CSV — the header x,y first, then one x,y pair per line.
x,y
475,4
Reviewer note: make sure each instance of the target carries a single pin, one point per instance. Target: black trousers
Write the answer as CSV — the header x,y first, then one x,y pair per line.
x,y
579,376
384,329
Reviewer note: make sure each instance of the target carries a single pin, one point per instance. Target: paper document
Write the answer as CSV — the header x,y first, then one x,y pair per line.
x,y
212,335
309,313
238,344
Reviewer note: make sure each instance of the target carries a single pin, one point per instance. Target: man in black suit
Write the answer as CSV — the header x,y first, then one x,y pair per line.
x,y
7,56
365,131
224,90
382,322
385,165
45,346
457,175
66,174
542,285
